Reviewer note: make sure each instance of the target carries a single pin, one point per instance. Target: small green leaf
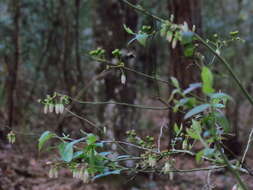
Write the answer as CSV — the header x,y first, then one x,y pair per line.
x,y
187,37
91,139
191,133
128,30
142,38
209,152
176,129
163,30
44,138
122,157
207,79
116,53
220,96
192,87
218,105
78,154
197,110
175,82
189,50
196,126
199,156
222,121
104,154
115,172
68,151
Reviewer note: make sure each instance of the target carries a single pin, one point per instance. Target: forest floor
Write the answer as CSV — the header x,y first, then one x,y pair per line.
x,y
22,168
25,170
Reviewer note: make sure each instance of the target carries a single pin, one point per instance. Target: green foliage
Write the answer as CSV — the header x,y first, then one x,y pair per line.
x,y
142,36
11,137
207,79
88,157
44,138
196,110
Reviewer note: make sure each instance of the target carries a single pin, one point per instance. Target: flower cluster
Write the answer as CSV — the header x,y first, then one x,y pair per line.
x,y
81,173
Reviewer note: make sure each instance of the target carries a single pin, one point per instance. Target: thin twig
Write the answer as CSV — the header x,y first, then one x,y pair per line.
x,y
82,118
232,169
247,147
133,145
160,135
121,104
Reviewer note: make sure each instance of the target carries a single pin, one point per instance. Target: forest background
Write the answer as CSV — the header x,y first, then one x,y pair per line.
x,y
44,48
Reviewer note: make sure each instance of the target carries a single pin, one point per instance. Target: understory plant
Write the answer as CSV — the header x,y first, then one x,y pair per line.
x,y
201,134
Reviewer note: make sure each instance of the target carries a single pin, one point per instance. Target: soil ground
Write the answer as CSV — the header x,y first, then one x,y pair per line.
x,y
27,171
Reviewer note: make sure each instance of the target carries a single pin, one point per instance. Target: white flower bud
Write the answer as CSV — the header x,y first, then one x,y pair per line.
x,y
185,144
11,137
169,36
50,173
57,111
185,27
61,109
75,173
45,109
194,28
51,108
151,161
123,78
85,177
56,173
234,187
53,172
174,43
167,167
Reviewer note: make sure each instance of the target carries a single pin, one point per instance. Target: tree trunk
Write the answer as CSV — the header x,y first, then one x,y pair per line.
x,y
109,34
77,43
181,67
14,63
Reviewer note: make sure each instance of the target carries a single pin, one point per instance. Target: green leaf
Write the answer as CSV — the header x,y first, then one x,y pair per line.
x,y
176,129
104,154
207,79
175,82
142,38
122,157
67,152
163,30
91,139
222,121
196,110
128,30
187,37
189,50
116,53
199,156
218,105
192,133
220,96
44,138
196,126
209,152
115,172
78,154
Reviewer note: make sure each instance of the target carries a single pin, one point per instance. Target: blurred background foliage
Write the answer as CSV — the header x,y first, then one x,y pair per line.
x,y
49,52
44,48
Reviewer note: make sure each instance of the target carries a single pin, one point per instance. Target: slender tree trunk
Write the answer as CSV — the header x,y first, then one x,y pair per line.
x,y
77,43
181,67
15,62
109,34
